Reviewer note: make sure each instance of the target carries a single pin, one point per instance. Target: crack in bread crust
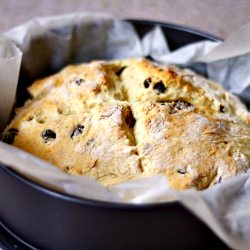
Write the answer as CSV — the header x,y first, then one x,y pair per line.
x,y
120,120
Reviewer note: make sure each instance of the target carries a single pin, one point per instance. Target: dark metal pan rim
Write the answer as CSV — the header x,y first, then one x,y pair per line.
x,y
175,27
80,200
99,203
15,237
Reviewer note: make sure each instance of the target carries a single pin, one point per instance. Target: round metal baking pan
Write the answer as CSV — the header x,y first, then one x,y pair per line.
x,y
45,219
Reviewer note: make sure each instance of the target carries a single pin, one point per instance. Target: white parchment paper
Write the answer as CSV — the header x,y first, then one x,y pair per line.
x,y
48,44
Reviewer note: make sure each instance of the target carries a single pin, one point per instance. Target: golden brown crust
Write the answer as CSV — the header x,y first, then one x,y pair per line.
x,y
94,142
120,120
191,149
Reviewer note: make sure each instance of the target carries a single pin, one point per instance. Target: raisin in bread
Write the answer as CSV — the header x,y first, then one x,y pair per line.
x,y
121,120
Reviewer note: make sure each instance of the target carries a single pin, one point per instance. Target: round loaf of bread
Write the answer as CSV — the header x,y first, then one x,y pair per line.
x,y
119,120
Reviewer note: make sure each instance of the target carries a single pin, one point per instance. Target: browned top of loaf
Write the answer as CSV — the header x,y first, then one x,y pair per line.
x,y
121,120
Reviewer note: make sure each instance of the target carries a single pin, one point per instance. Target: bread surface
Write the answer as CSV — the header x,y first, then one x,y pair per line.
x,y
119,120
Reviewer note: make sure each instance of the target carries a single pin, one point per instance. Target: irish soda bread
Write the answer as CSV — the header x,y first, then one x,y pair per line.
x,y
120,120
